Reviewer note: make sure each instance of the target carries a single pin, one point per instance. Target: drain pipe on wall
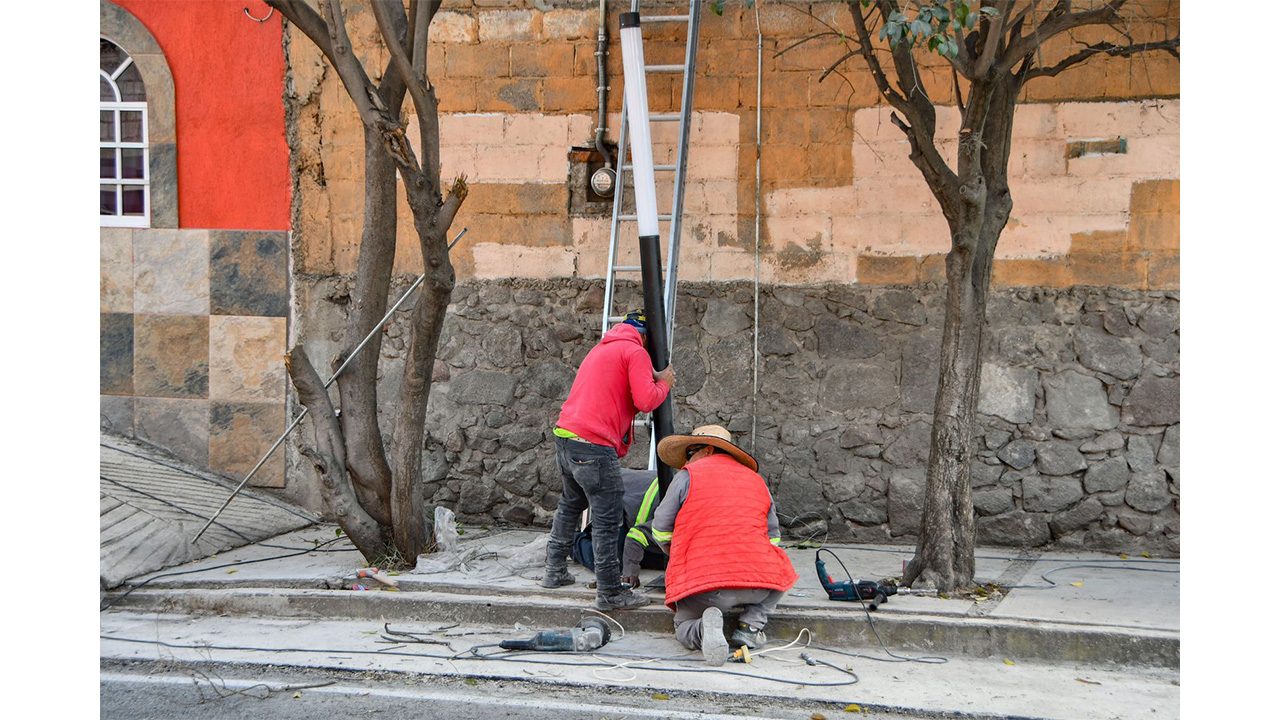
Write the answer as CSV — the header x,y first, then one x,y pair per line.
x,y
755,318
602,180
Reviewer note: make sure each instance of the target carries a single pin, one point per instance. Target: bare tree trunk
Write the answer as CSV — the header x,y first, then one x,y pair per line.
x,y
427,321
358,386
944,556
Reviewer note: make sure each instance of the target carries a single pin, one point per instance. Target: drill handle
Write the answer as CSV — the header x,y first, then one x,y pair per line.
x,y
823,577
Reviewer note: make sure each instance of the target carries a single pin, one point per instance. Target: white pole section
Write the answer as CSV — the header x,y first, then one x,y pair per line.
x,y
637,99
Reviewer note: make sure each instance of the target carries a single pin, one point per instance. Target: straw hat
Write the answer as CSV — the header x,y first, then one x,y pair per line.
x,y
673,449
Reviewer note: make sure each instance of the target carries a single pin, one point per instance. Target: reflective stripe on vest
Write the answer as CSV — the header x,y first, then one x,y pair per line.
x,y
635,534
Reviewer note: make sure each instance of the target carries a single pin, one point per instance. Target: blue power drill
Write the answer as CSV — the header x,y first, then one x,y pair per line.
x,y
865,591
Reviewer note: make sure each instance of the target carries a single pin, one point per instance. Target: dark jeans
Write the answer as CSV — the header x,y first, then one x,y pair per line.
x,y
592,478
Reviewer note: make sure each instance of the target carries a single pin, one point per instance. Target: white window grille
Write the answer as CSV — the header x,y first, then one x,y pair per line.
x,y
125,193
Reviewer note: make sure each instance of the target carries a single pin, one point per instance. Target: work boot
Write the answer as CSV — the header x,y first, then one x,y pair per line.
x,y
714,647
558,577
622,599
752,637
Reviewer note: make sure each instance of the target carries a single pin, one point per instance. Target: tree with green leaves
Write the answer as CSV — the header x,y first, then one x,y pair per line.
x,y
994,48
371,489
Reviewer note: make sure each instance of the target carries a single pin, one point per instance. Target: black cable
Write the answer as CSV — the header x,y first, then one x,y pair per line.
x,y
215,567
1045,575
926,660
509,657
810,660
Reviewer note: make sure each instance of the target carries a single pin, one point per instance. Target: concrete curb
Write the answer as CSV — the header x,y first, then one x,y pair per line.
x,y
914,633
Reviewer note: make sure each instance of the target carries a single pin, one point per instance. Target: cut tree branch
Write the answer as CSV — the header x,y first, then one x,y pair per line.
x,y
408,70
329,456
992,34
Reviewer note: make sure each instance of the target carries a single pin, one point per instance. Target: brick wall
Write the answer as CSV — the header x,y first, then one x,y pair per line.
x,y
841,202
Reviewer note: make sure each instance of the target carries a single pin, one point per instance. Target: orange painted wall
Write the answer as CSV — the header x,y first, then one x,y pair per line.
x,y
228,77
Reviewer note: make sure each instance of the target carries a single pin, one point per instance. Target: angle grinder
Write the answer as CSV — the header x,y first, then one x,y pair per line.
x,y
590,634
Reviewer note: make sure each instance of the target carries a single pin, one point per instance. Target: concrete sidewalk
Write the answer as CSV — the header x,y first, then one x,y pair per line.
x,y
1074,631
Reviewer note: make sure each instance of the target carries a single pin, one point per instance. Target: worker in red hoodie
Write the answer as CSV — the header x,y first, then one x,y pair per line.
x,y
615,382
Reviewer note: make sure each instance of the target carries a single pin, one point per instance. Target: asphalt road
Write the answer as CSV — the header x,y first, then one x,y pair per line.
x,y
151,691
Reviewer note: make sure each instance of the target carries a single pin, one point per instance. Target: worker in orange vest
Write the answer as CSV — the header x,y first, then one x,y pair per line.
x,y
717,522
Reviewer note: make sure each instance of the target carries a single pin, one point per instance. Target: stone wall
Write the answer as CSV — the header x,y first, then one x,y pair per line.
x,y
1079,412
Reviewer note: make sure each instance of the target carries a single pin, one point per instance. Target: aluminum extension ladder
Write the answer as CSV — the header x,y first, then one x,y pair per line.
x,y
612,316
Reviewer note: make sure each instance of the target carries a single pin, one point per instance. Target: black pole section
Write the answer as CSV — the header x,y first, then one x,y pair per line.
x,y
656,318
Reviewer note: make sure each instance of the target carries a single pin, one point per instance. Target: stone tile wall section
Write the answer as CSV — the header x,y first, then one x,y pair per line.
x,y
193,331
841,201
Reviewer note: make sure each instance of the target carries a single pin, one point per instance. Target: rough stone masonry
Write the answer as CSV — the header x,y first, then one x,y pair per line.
x,y
1079,411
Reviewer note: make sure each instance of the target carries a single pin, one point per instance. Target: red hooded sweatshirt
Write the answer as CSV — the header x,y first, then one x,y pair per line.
x,y
614,383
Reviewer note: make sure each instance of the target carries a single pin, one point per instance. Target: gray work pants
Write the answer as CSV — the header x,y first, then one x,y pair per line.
x,y
592,477
756,605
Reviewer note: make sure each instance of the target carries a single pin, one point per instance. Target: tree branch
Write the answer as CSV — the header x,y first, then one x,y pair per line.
x,y
1060,20
449,208
993,31
1170,46
837,63
428,115
408,70
1015,25
306,19
806,39
920,129
331,37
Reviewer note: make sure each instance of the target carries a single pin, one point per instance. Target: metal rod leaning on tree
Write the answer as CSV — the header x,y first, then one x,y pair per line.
x,y
377,328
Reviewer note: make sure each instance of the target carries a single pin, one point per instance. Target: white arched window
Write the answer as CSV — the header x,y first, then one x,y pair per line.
x,y
124,192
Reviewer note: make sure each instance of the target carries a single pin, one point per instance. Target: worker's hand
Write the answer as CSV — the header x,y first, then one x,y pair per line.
x,y
632,581
666,375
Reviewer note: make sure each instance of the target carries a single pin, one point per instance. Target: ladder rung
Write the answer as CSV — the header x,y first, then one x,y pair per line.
x,y
664,68
661,216
665,117
664,168
625,268
664,18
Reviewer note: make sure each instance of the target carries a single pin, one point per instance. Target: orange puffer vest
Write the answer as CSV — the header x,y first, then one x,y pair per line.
x,y
721,535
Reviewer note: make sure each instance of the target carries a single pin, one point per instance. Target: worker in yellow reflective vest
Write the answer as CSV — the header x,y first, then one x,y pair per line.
x,y
636,546
640,550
